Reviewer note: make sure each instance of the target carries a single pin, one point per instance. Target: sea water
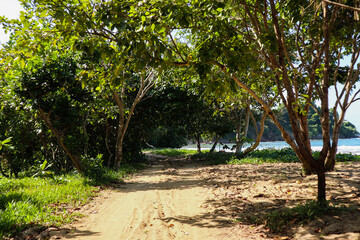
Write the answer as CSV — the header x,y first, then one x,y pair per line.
x,y
350,145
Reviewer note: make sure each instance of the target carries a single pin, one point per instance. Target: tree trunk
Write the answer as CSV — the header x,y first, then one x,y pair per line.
x,y
46,118
198,144
217,139
119,155
145,85
259,135
107,135
238,135
246,127
331,156
121,128
321,183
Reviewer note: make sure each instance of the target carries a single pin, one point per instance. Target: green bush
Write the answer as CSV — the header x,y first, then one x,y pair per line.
x,y
214,157
98,174
347,157
281,219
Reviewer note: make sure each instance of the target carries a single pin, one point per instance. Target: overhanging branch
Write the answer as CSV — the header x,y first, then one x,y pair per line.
x,y
342,5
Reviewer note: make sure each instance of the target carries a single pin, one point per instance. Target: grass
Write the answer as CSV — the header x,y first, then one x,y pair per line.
x,y
280,220
48,201
104,176
171,152
284,155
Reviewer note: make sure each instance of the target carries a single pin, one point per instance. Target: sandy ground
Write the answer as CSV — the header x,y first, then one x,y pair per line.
x,y
162,202
180,199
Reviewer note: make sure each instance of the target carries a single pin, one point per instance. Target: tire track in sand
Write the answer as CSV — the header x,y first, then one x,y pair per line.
x,y
161,202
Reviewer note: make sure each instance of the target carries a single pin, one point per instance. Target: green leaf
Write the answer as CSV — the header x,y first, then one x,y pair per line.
x,y
43,165
6,140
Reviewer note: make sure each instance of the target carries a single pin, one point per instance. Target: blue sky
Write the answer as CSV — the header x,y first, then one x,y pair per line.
x,y
11,9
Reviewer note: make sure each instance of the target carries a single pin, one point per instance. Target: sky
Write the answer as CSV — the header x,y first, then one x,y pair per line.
x,y
11,9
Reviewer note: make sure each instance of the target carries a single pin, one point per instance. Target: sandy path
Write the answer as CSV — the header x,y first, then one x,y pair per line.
x,y
161,202
179,199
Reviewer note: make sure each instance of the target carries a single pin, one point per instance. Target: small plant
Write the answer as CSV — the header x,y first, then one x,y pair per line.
x,y
281,219
42,170
6,144
98,174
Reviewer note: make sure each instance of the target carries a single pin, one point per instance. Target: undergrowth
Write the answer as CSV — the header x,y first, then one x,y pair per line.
x,y
280,220
284,155
171,152
50,201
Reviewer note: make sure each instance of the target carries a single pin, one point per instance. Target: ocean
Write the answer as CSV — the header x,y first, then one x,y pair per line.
x,y
350,145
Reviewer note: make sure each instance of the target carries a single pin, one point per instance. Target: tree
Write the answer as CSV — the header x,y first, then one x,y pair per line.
x,y
298,43
298,46
182,108
110,65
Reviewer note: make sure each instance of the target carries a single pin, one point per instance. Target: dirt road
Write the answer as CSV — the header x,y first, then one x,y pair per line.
x,y
165,201
180,199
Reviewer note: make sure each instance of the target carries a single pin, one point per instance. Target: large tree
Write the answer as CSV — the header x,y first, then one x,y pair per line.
x,y
301,44
298,45
112,61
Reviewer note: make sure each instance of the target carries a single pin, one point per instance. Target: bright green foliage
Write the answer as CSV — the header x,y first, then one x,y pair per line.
x,y
172,152
6,144
271,133
281,219
44,201
51,200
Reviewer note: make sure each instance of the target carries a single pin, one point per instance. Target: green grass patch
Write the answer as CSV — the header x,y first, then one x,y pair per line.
x,y
172,152
104,176
280,220
214,157
40,201
284,155
47,201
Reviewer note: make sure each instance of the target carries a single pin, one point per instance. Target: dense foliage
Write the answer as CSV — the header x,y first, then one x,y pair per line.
x,y
272,133
74,75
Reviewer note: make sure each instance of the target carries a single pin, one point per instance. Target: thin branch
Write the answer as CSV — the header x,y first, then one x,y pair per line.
x,y
175,45
342,5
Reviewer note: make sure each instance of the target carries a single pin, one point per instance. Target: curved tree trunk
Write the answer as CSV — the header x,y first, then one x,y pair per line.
x,y
258,137
145,85
46,118
217,139
246,128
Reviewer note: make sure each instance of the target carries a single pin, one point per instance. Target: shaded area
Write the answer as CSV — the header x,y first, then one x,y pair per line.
x,y
246,196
